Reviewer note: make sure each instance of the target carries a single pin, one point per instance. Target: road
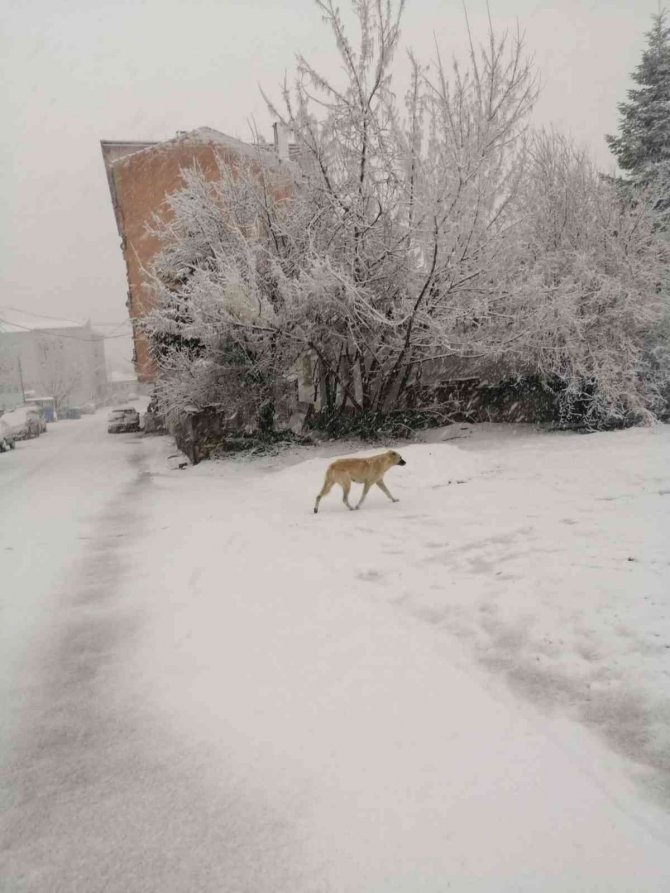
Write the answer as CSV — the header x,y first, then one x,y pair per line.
x,y
96,795
57,493
101,793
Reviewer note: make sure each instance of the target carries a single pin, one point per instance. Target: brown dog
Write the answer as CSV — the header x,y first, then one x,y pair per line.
x,y
359,471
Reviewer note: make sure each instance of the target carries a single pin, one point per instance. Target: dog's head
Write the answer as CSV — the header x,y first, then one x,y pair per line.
x,y
397,458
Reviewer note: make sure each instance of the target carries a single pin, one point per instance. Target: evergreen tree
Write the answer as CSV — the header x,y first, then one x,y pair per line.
x,y
643,146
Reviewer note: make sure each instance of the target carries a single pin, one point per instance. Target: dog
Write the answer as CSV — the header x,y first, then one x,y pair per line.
x,y
346,472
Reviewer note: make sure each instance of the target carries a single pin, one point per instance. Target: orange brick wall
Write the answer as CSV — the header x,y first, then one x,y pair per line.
x,y
142,181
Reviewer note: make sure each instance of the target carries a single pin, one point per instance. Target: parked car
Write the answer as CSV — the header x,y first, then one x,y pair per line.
x,y
25,422
6,437
88,408
46,406
69,412
37,414
125,418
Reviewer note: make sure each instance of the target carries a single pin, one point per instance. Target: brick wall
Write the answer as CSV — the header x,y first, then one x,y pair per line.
x,y
140,182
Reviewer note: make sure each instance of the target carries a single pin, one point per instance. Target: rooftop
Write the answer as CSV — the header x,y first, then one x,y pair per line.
x,y
119,152
15,321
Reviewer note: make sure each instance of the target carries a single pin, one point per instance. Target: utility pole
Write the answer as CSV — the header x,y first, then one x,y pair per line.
x,y
23,392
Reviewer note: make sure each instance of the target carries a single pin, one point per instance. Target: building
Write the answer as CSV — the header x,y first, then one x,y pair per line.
x,y
11,385
57,358
142,175
122,386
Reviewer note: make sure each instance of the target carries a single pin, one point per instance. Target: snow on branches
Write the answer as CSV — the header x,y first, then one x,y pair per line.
x,y
410,235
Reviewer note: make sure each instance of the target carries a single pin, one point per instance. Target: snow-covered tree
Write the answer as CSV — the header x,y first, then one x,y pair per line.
x,y
422,200
396,245
644,138
597,280
411,236
642,148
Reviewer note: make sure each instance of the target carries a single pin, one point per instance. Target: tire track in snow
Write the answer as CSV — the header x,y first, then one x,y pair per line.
x,y
99,796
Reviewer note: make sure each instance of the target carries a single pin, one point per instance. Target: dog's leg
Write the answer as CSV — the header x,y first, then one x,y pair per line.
x,y
382,486
325,490
345,495
366,487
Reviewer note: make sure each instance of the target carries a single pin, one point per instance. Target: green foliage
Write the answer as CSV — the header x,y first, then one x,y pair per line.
x,y
644,138
257,443
373,426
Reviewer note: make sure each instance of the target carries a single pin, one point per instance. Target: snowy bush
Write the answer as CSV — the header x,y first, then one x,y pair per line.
x,y
596,271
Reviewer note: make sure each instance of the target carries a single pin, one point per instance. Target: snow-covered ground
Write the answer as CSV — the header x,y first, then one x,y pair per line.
x,y
466,690
334,653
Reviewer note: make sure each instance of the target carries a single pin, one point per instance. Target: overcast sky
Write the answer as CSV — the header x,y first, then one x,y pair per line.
x,y
78,71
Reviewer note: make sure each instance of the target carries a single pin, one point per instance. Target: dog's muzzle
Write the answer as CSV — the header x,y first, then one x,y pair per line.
x,y
402,462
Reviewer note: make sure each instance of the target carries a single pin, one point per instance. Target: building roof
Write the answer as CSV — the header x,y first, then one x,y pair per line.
x,y
113,150
14,321
119,152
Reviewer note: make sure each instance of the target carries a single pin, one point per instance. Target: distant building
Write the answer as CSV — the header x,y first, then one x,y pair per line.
x,y
122,386
142,175
56,358
11,387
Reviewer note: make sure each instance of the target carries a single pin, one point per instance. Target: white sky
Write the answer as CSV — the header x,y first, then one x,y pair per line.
x,y
77,71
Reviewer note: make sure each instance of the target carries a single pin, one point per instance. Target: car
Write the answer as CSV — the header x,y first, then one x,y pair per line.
x,y
88,408
69,412
123,419
46,406
37,415
36,422
25,422
7,441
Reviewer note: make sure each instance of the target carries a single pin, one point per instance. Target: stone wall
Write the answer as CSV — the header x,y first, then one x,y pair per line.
x,y
199,432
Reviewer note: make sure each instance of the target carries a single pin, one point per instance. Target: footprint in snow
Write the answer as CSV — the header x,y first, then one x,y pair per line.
x,y
447,484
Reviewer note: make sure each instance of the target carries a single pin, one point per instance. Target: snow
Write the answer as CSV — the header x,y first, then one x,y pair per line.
x,y
433,672
466,690
17,418
122,377
5,427
51,489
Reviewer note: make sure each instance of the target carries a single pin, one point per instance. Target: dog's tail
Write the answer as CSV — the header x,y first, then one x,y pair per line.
x,y
325,490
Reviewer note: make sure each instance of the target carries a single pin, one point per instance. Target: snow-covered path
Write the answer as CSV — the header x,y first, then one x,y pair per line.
x,y
216,690
52,493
